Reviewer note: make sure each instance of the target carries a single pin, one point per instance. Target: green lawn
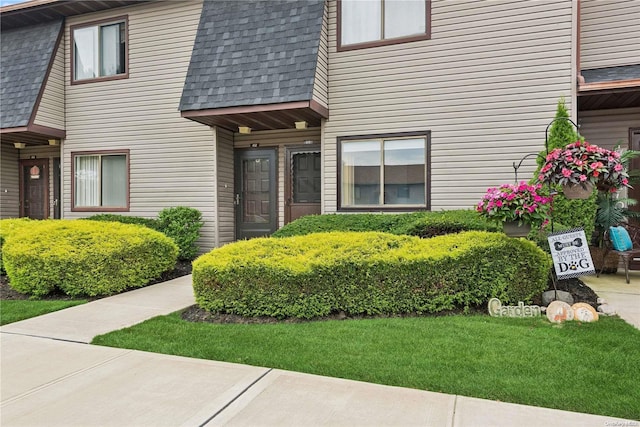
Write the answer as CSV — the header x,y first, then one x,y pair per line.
x,y
592,368
15,310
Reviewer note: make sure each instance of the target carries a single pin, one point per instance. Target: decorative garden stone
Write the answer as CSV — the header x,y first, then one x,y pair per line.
x,y
549,296
559,311
583,312
606,309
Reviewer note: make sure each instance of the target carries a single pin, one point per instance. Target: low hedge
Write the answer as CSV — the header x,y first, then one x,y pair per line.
x,y
367,273
87,258
422,224
151,223
7,228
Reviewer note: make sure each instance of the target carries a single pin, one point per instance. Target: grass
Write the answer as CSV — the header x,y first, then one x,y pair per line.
x,y
15,310
592,367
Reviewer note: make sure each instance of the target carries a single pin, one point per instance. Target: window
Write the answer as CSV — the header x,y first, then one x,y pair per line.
x,y
99,51
101,181
366,23
384,172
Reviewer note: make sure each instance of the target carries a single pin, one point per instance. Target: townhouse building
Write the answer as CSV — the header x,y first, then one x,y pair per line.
x,y
257,112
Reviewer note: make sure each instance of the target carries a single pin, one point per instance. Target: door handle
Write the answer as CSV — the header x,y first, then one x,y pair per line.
x,y
237,199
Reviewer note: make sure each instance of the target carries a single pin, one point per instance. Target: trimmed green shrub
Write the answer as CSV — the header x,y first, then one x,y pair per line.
x,y
182,224
151,223
431,224
423,224
8,227
576,213
84,257
367,273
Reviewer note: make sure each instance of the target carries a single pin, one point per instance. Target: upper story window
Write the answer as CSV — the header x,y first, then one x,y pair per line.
x,y
368,23
99,50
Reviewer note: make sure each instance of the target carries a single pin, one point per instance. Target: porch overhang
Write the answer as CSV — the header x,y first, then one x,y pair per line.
x,y
604,97
262,117
607,88
31,135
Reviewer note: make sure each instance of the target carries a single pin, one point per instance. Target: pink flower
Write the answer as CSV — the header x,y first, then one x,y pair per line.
x,y
596,165
618,167
583,178
566,172
499,203
625,181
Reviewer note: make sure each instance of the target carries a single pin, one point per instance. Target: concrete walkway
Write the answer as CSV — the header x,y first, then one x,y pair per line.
x,y
622,296
51,377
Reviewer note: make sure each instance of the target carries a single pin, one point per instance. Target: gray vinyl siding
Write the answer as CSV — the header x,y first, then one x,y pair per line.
x,y
608,128
279,139
40,152
51,110
172,159
610,33
9,182
486,85
225,196
320,85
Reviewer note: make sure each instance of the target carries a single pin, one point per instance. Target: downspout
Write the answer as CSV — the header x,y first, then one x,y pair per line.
x,y
578,72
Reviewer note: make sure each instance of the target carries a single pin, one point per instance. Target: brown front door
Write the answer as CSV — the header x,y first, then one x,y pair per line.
x,y
303,189
256,192
34,188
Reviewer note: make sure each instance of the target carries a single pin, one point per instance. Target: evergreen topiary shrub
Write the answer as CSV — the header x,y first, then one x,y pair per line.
x,y
182,224
7,228
85,258
422,224
367,273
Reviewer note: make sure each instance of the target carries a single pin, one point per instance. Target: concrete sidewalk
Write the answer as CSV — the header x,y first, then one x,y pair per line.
x,y
49,377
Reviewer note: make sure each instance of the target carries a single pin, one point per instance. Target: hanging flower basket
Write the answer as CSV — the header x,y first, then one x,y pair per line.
x,y
582,163
516,229
577,191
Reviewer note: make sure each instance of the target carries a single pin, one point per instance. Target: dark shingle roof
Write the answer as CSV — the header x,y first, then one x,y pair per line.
x,y
26,53
253,52
611,74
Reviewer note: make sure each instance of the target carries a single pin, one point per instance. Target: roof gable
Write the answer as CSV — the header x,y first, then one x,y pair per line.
x,y
25,57
253,52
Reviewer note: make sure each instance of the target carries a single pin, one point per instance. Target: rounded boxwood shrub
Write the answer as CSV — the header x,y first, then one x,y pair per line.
x,y
422,224
88,258
8,227
367,273
182,224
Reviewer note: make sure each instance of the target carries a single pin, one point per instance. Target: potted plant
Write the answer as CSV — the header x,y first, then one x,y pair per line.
x,y
516,206
580,166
